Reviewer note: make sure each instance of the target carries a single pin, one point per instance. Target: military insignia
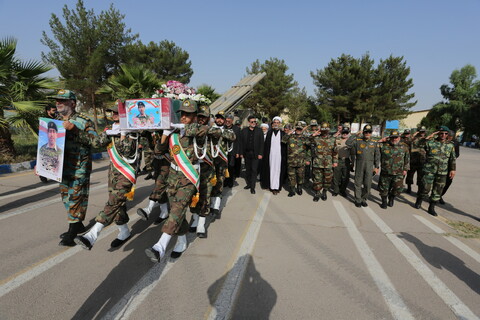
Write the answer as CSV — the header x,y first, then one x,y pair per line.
x,y
292,145
186,103
61,91
319,147
176,149
359,152
387,151
362,145
434,150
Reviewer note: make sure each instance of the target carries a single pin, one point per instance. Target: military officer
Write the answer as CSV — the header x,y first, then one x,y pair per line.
x,y
341,173
417,159
440,163
142,119
395,159
324,159
297,157
365,161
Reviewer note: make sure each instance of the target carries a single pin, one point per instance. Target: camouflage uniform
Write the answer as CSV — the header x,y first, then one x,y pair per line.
x,y
395,159
417,161
77,166
50,158
365,157
440,160
164,160
148,152
341,173
324,155
221,165
297,155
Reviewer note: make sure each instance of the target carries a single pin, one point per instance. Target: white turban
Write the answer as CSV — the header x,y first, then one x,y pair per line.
x,y
264,125
277,118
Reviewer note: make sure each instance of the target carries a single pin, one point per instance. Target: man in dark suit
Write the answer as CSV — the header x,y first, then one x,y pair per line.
x,y
235,153
251,149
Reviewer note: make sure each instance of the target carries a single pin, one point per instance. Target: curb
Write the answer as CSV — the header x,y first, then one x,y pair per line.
x,y
29,165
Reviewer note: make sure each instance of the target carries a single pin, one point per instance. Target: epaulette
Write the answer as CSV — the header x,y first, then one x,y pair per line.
x,y
359,139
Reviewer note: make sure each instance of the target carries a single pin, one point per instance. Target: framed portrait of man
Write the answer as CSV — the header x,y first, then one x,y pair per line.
x,y
50,150
144,114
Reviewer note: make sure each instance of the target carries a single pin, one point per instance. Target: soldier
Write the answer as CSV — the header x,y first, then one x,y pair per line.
x,y
142,119
147,146
297,158
456,146
313,127
341,173
365,162
406,138
395,160
440,162
417,159
50,153
183,181
77,164
235,153
324,159
122,149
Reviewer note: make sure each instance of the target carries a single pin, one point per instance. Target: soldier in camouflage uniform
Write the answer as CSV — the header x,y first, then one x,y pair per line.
x,y
180,186
119,185
395,161
222,146
77,163
147,147
417,159
341,173
406,138
313,127
365,159
297,157
324,159
440,162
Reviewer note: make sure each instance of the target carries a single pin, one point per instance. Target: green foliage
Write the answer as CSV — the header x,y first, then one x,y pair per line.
x,y
271,95
166,59
131,82
298,105
208,91
87,48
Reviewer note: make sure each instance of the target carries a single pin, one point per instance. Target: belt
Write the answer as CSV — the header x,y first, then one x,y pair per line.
x,y
177,168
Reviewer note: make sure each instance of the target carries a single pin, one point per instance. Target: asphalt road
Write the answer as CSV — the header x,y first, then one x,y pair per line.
x,y
269,257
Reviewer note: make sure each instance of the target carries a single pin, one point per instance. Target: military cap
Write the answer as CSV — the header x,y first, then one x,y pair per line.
x,y
140,104
299,125
367,128
204,110
230,116
188,106
221,114
422,128
325,126
238,122
394,134
52,125
443,128
406,131
345,130
288,126
113,108
65,95
313,123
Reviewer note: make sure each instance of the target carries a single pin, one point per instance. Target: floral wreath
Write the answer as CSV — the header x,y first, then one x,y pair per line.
x,y
177,90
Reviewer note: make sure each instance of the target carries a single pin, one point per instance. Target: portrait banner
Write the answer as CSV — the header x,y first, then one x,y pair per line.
x,y
145,114
50,150
354,127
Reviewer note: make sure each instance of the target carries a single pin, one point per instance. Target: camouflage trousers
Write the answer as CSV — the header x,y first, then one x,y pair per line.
x,y
207,172
220,167
148,159
341,175
435,183
390,185
180,191
296,175
415,169
116,206
158,193
74,191
322,178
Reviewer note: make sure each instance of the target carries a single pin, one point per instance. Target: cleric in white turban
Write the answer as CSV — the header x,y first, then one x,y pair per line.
x,y
274,167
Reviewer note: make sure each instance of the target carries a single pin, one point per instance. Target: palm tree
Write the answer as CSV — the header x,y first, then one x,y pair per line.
x,y
22,89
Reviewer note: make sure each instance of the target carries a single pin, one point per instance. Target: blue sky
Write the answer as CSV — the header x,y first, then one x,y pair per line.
x,y
225,37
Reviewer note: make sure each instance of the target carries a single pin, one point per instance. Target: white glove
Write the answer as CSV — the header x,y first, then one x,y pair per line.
x,y
177,125
167,132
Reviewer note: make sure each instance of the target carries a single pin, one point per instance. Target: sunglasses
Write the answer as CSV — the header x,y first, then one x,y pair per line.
x,y
253,121
443,133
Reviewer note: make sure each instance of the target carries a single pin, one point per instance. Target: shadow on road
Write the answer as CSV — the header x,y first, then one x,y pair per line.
x,y
256,297
442,259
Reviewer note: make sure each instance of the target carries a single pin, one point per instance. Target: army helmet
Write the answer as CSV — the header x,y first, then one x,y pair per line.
x,y
325,126
204,111
188,106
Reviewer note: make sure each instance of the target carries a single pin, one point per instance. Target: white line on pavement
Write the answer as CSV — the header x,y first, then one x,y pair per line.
x,y
42,204
392,298
450,299
140,291
460,245
31,273
17,194
226,298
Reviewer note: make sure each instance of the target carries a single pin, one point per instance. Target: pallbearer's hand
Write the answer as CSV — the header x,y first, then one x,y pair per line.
x,y
335,165
451,174
404,173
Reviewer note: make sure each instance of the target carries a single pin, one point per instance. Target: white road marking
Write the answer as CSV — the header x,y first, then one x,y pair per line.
x,y
450,299
17,194
226,298
392,298
140,291
31,273
460,245
43,204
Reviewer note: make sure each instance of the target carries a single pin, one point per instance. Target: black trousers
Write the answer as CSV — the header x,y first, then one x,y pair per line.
x,y
251,167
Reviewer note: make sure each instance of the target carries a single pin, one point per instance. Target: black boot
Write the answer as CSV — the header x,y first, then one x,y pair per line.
x,y
299,189
391,200
384,203
324,194
418,203
409,188
291,193
316,197
73,230
431,208
441,201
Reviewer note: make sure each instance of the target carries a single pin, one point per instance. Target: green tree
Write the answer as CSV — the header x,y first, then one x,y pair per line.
x,y
131,82
23,89
87,48
298,104
271,95
166,59
209,92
